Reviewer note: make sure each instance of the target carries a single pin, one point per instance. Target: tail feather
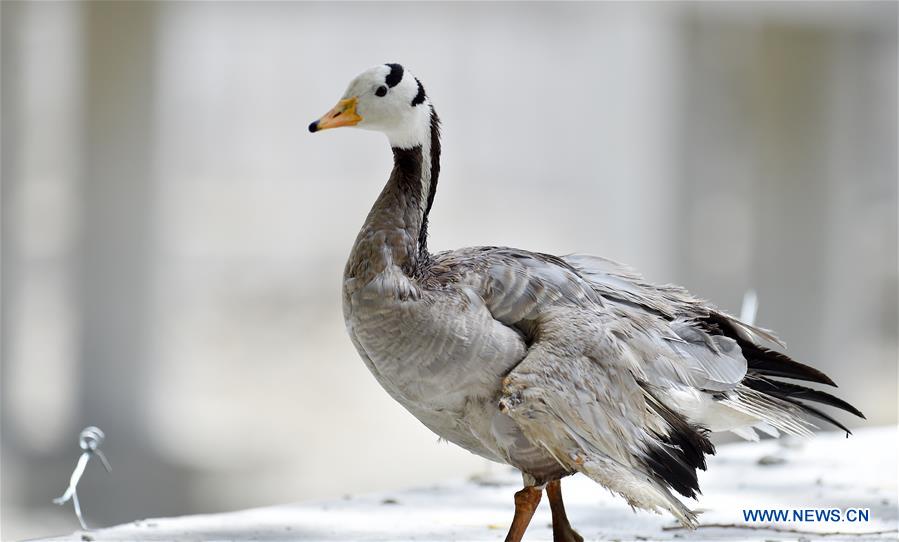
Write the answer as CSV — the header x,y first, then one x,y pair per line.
x,y
809,409
785,416
786,390
677,453
763,365
792,394
772,363
763,360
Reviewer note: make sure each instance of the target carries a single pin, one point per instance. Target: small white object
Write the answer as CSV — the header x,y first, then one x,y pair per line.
x,y
89,440
750,307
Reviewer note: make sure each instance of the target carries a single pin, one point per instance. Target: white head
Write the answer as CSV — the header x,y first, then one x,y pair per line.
x,y
388,99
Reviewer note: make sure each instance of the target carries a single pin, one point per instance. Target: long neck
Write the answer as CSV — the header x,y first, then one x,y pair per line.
x,y
395,231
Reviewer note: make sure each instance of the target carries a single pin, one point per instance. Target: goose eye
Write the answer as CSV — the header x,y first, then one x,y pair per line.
x,y
382,91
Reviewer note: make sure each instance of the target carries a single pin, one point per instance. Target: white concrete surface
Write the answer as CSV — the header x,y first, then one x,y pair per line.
x,y
828,471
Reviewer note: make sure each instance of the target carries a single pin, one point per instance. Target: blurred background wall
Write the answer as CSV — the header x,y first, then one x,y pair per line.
x,y
173,239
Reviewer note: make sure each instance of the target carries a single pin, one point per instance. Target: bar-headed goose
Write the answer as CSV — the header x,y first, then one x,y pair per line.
x,y
551,364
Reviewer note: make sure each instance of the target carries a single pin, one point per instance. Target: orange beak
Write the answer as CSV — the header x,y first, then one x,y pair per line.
x,y
343,114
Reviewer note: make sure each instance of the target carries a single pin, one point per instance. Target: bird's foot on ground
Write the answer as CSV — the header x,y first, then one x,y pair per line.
x,y
566,534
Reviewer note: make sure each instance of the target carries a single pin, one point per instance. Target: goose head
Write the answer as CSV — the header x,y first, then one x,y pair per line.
x,y
385,98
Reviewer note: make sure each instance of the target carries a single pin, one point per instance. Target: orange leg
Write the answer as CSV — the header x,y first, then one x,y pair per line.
x,y
562,531
526,502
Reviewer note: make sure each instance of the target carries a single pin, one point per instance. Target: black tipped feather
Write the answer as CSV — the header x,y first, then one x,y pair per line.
x,y
794,391
763,363
771,363
808,409
675,457
763,360
822,415
668,467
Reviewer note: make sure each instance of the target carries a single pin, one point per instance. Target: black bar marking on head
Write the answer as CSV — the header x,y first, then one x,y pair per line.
x,y
395,75
420,97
